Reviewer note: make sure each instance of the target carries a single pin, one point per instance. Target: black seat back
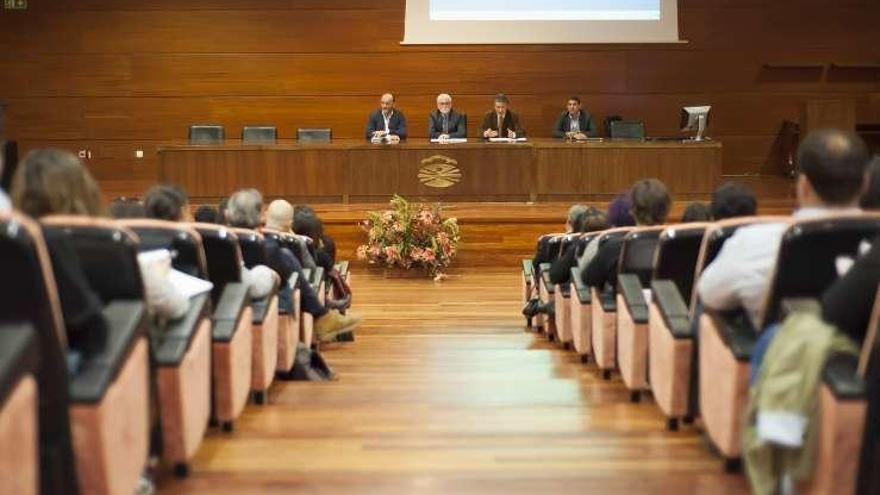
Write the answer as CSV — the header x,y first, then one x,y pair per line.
x,y
206,134
253,247
259,134
28,295
677,252
637,253
185,244
321,135
806,263
107,253
627,129
547,249
222,254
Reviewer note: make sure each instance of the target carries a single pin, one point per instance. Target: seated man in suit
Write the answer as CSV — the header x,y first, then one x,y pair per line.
x,y
501,122
387,123
575,122
445,123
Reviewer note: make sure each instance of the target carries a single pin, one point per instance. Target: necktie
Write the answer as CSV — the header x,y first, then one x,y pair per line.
x,y
445,123
500,121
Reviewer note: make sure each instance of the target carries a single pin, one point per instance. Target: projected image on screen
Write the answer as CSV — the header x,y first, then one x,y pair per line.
x,y
546,10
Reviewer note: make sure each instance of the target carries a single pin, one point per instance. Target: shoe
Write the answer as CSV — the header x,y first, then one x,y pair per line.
x,y
531,307
334,323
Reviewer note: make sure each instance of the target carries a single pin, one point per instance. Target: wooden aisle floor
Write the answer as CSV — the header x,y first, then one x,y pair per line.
x,y
444,393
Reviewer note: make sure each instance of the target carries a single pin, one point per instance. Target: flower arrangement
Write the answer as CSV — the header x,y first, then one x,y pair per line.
x,y
410,235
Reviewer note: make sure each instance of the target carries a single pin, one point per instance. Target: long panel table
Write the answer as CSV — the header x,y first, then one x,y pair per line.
x,y
356,171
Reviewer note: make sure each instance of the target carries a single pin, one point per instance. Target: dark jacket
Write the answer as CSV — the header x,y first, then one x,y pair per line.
x,y
603,269
848,302
585,121
511,121
457,124
396,124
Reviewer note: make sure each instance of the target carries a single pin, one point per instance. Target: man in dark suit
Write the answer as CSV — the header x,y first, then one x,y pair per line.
x,y
575,122
501,122
444,122
387,124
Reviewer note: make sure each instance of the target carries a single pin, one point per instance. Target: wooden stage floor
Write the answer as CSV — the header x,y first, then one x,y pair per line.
x,y
445,393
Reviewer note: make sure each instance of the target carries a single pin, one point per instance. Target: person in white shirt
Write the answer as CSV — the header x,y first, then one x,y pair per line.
x,y
833,175
387,123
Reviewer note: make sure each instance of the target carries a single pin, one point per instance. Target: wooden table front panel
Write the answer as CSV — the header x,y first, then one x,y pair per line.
x,y
354,171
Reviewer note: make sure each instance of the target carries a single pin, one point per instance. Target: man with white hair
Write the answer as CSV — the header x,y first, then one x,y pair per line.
x,y
444,122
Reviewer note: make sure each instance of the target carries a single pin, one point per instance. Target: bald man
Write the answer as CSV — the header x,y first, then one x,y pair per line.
x,y
444,122
387,123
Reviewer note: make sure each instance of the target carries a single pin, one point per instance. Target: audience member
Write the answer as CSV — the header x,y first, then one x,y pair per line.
x,y
650,206
581,219
5,203
279,217
307,223
619,215
206,214
244,211
164,202
871,198
733,199
697,212
832,179
127,208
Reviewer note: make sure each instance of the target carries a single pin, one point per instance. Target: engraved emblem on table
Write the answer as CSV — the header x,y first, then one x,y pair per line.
x,y
439,171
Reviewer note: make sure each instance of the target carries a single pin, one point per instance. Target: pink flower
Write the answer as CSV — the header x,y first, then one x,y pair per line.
x,y
362,252
392,253
387,216
429,255
398,227
426,217
375,251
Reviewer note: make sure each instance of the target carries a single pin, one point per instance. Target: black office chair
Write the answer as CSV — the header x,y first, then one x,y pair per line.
x,y
323,135
206,134
259,134
627,129
608,121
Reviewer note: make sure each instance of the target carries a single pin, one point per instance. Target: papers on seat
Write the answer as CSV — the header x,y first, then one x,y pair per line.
x,y
157,263
450,141
507,140
188,285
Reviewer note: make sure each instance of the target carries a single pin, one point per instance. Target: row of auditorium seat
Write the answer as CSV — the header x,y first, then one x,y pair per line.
x,y
643,328
254,134
264,134
90,431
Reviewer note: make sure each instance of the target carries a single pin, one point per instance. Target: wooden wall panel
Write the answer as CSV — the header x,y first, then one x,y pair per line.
x,y
113,76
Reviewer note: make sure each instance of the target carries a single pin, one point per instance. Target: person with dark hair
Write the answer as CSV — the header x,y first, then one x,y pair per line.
x,y
833,174
127,208
585,219
575,123
619,214
650,206
221,211
871,198
697,212
307,223
206,214
387,123
501,122
164,202
733,199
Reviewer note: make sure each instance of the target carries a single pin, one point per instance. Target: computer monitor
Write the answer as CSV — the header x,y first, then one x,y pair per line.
x,y
695,118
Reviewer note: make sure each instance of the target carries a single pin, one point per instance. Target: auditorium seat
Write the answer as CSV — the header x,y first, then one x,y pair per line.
x,y
265,318
579,304
547,251
231,348
307,322
805,266
182,350
562,301
672,350
288,322
19,406
603,307
32,298
206,134
627,129
259,134
634,278
110,393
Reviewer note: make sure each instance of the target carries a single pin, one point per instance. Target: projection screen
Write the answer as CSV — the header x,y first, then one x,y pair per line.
x,y
540,21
